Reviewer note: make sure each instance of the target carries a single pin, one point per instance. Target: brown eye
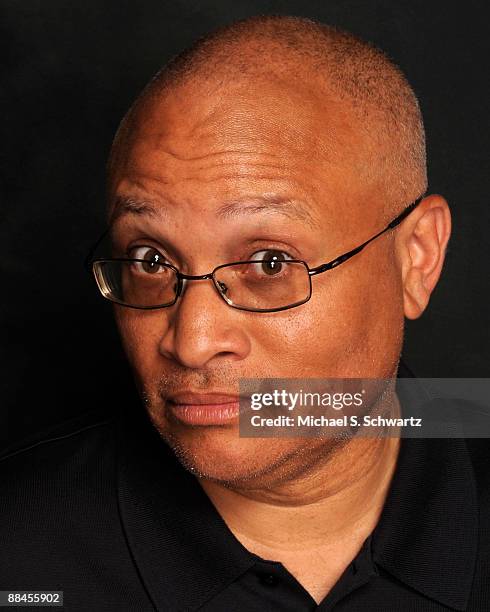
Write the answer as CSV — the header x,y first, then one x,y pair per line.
x,y
152,260
271,263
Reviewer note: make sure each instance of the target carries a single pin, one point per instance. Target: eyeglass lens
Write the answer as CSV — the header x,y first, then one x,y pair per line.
x,y
257,285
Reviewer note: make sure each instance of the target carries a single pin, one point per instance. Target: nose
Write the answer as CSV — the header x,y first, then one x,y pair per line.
x,y
202,328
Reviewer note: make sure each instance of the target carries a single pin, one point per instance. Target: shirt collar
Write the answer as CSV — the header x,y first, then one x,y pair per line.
x,y
185,554
181,546
427,535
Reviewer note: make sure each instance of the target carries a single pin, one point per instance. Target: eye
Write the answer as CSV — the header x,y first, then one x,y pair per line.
x,y
152,257
270,261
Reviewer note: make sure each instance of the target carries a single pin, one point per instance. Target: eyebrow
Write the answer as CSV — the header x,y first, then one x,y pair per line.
x,y
291,208
125,204
294,209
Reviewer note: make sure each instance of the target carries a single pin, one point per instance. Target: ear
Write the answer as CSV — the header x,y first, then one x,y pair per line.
x,y
421,247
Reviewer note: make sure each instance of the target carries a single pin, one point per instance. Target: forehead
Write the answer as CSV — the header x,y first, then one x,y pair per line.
x,y
292,119
238,140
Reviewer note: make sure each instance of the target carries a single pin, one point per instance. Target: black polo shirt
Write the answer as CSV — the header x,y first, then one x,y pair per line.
x,y
101,509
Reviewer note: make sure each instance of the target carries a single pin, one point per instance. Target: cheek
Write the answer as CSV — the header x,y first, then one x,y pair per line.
x,y
373,316
352,326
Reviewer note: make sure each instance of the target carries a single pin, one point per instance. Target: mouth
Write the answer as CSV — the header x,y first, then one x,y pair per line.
x,y
204,409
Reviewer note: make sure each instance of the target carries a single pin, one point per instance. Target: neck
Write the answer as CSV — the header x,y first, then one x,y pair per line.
x,y
343,498
338,499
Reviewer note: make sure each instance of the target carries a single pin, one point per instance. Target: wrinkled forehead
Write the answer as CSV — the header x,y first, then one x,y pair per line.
x,y
244,132
291,119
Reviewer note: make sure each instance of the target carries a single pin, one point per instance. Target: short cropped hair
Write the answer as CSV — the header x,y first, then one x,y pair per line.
x,y
354,71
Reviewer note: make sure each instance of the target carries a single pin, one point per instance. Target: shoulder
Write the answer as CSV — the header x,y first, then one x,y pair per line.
x,y
60,527
57,490
58,430
45,441
57,456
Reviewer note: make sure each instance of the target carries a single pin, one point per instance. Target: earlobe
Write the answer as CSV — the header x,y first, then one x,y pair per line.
x,y
423,243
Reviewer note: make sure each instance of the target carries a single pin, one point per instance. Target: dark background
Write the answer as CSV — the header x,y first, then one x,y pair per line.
x,y
70,71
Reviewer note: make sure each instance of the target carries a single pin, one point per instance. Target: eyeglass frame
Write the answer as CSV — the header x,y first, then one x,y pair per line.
x,y
89,262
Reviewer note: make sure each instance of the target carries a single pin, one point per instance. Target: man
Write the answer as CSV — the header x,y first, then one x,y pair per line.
x,y
274,140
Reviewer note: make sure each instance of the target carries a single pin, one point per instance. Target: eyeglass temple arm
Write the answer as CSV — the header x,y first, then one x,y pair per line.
x,y
339,260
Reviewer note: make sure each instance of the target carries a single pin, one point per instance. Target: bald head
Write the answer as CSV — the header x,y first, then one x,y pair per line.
x,y
318,62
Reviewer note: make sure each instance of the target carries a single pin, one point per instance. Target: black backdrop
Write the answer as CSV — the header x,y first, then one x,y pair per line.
x,y
71,69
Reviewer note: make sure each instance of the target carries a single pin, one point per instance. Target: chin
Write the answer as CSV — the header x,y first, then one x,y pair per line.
x,y
220,454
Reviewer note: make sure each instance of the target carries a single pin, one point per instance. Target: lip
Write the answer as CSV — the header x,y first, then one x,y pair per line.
x,y
204,409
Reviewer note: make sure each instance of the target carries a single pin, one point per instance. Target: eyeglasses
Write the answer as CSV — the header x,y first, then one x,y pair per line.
x,y
265,285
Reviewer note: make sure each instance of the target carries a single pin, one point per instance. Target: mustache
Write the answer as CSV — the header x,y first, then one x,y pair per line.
x,y
223,379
